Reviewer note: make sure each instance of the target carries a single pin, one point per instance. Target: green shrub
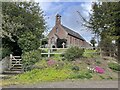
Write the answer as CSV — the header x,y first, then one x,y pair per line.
x,y
5,52
81,75
59,65
44,51
30,58
28,41
42,64
75,68
98,62
114,66
73,52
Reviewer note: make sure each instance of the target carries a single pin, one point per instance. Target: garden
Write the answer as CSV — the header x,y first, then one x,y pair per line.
x,y
22,35
74,64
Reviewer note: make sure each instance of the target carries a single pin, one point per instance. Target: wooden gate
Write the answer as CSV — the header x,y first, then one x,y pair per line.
x,y
15,63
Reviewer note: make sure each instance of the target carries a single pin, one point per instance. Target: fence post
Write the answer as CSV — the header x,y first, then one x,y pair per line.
x,y
10,61
48,52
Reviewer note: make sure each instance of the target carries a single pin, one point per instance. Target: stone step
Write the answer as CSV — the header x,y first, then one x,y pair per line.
x,y
16,69
12,72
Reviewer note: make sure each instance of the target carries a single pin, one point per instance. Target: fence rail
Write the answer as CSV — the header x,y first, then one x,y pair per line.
x,y
51,51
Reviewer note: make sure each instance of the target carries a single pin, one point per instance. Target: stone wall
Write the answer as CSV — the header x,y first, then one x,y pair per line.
x,y
4,64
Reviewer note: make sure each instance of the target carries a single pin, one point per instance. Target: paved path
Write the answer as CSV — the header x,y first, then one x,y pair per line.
x,y
71,84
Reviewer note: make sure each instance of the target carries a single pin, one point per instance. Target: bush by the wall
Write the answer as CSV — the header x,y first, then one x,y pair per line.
x,y
114,66
30,58
5,52
73,52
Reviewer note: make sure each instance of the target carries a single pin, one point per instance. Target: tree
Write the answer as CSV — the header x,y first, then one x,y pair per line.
x,y
104,21
23,24
108,21
93,42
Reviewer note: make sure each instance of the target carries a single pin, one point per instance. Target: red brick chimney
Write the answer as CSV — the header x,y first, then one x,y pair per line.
x,y
58,19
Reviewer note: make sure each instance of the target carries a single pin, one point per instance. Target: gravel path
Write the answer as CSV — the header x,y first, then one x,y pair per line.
x,y
71,84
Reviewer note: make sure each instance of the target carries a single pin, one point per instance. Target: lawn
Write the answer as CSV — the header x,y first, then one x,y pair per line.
x,y
89,53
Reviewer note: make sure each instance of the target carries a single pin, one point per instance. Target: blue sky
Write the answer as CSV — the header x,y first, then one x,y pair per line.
x,y
70,17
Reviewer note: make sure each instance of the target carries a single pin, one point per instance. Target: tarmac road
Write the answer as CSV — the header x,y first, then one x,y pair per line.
x,y
71,84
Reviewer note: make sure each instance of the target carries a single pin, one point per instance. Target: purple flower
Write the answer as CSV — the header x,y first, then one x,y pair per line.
x,y
51,62
99,70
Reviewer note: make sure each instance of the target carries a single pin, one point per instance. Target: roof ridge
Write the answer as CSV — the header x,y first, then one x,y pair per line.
x,y
70,29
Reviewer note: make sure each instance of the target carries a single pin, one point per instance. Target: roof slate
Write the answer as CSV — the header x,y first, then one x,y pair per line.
x,y
73,33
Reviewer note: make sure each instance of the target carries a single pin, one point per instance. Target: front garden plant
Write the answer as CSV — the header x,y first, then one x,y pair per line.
x,y
114,66
73,53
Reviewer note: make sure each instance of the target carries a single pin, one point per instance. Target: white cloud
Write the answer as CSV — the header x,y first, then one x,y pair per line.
x,y
69,15
45,6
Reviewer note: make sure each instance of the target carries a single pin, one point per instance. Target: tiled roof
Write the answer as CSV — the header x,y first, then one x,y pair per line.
x,y
73,33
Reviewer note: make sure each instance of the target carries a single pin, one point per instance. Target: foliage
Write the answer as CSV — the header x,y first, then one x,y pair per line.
x,y
12,46
41,64
114,66
107,46
75,68
44,41
81,75
73,52
106,16
48,74
5,52
30,58
44,51
60,65
104,22
90,53
22,22
28,42
60,71
98,62
93,42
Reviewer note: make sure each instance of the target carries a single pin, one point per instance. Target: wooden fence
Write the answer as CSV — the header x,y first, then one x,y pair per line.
x,y
50,51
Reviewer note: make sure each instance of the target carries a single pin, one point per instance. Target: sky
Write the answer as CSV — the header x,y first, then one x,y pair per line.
x,y
69,16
